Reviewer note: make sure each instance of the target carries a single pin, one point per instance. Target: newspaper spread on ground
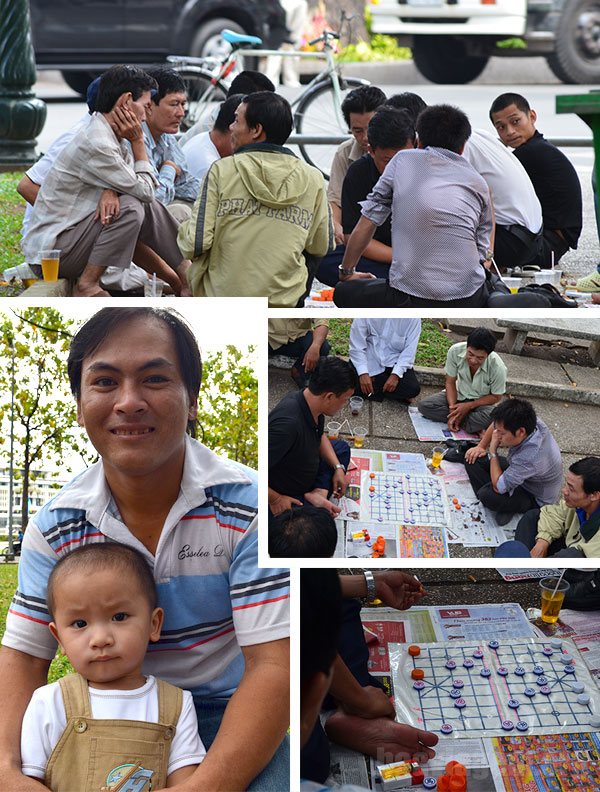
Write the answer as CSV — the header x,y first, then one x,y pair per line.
x,y
433,431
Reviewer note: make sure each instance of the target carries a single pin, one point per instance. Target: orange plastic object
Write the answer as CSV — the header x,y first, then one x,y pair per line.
x,y
417,776
443,784
417,673
455,767
325,295
458,507
371,475
371,489
454,500
458,784
414,650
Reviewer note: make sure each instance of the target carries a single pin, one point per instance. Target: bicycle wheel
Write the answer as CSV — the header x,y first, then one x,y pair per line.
x,y
203,97
317,115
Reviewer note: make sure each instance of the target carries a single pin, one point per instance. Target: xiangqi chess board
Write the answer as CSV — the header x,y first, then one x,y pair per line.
x,y
487,689
403,498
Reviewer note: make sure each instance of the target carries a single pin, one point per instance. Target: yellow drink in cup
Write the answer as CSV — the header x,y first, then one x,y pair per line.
x,y
552,599
437,456
359,436
50,259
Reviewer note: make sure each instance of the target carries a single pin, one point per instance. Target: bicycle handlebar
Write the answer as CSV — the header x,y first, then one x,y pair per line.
x,y
325,36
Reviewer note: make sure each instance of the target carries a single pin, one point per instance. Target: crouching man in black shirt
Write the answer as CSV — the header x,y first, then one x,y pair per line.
x,y
304,464
554,179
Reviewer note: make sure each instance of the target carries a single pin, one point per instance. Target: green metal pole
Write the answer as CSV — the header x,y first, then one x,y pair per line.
x,y
22,114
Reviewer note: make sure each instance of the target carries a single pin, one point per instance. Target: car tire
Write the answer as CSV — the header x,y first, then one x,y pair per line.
x,y
78,81
208,43
443,59
576,56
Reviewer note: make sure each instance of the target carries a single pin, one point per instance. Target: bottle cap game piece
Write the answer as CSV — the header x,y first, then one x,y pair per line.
x,y
446,728
569,669
529,692
455,693
371,475
520,671
429,782
503,671
522,725
414,650
565,659
458,683
493,644
546,690
577,687
542,680
508,725
513,703
371,489
537,669
468,663
450,664
583,698
595,721
478,654
417,673
548,651
460,703
419,685
556,643
485,672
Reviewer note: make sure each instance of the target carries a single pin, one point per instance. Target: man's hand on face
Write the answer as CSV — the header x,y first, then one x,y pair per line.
x,y
495,441
125,123
283,503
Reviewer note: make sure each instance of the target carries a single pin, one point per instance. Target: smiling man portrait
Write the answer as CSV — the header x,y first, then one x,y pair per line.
x,y
136,375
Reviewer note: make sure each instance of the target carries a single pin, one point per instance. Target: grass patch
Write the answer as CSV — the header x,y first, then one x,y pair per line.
x,y
431,351
8,583
12,209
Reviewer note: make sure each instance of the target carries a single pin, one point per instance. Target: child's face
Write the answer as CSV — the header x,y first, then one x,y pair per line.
x,y
104,624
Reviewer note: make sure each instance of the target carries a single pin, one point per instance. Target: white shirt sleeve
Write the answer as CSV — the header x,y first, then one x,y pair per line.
x,y
187,747
406,360
358,346
43,724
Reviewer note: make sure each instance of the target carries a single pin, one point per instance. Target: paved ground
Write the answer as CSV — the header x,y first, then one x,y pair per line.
x,y
544,383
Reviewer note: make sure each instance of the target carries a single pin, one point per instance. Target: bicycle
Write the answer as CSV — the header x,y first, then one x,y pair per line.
x,y
317,109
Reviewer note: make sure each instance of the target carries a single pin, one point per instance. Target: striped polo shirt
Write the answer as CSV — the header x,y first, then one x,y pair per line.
x,y
215,597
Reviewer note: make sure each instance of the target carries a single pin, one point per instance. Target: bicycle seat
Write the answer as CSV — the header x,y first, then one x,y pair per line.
x,y
239,38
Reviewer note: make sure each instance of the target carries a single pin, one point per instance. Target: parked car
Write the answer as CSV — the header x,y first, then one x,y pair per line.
x,y
82,38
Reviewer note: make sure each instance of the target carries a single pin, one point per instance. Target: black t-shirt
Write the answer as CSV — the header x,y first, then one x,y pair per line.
x,y
294,445
360,179
556,184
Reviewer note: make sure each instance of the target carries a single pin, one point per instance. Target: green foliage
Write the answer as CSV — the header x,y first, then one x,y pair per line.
x,y
45,414
228,407
379,48
59,667
431,351
12,208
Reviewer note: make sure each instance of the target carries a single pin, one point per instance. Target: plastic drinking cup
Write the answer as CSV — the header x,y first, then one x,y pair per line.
x,y
50,260
437,456
552,601
359,436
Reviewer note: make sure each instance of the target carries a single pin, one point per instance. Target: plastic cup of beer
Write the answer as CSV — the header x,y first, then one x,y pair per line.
x,y
356,403
359,436
437,456
153,288
552,598
50,260
333,430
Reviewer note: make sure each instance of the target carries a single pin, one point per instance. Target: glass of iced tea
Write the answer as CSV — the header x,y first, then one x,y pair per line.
x,y
552,598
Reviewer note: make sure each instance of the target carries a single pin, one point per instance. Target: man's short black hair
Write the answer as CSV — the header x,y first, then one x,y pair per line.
x,y
247,82
168,81
505,100
110,320
411,102
589,470
272,112
103,555
226,115
390,129
320,620
119,80
365,99
515,414
443,126
481,338
302,532
332,375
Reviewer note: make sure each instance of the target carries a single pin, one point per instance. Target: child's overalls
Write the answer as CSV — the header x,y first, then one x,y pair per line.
x,y
123,755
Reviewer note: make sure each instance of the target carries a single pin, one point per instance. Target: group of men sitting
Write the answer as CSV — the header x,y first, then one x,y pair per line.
x,y
306,467
417,202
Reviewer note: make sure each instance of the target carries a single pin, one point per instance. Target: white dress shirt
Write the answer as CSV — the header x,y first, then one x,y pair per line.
x,y
377,344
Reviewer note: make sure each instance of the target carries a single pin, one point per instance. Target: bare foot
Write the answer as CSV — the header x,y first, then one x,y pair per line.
x,y
596,298
89,290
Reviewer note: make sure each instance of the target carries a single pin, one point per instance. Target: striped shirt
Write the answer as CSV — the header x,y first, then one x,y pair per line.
x,y
536,465
94,160
171,187
441,223
215,598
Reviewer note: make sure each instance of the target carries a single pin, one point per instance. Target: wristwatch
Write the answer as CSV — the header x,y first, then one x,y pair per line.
x,y
371,591
492,454
346,273
489,255
339,467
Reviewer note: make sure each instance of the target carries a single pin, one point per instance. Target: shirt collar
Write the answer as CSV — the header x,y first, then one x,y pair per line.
x,y
202,468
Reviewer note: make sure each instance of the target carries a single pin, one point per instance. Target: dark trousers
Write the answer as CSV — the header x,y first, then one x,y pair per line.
x,y
511,250
352,648
328,268
297,349
527,532
407,388
378,293
481,481
325,473
551,243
